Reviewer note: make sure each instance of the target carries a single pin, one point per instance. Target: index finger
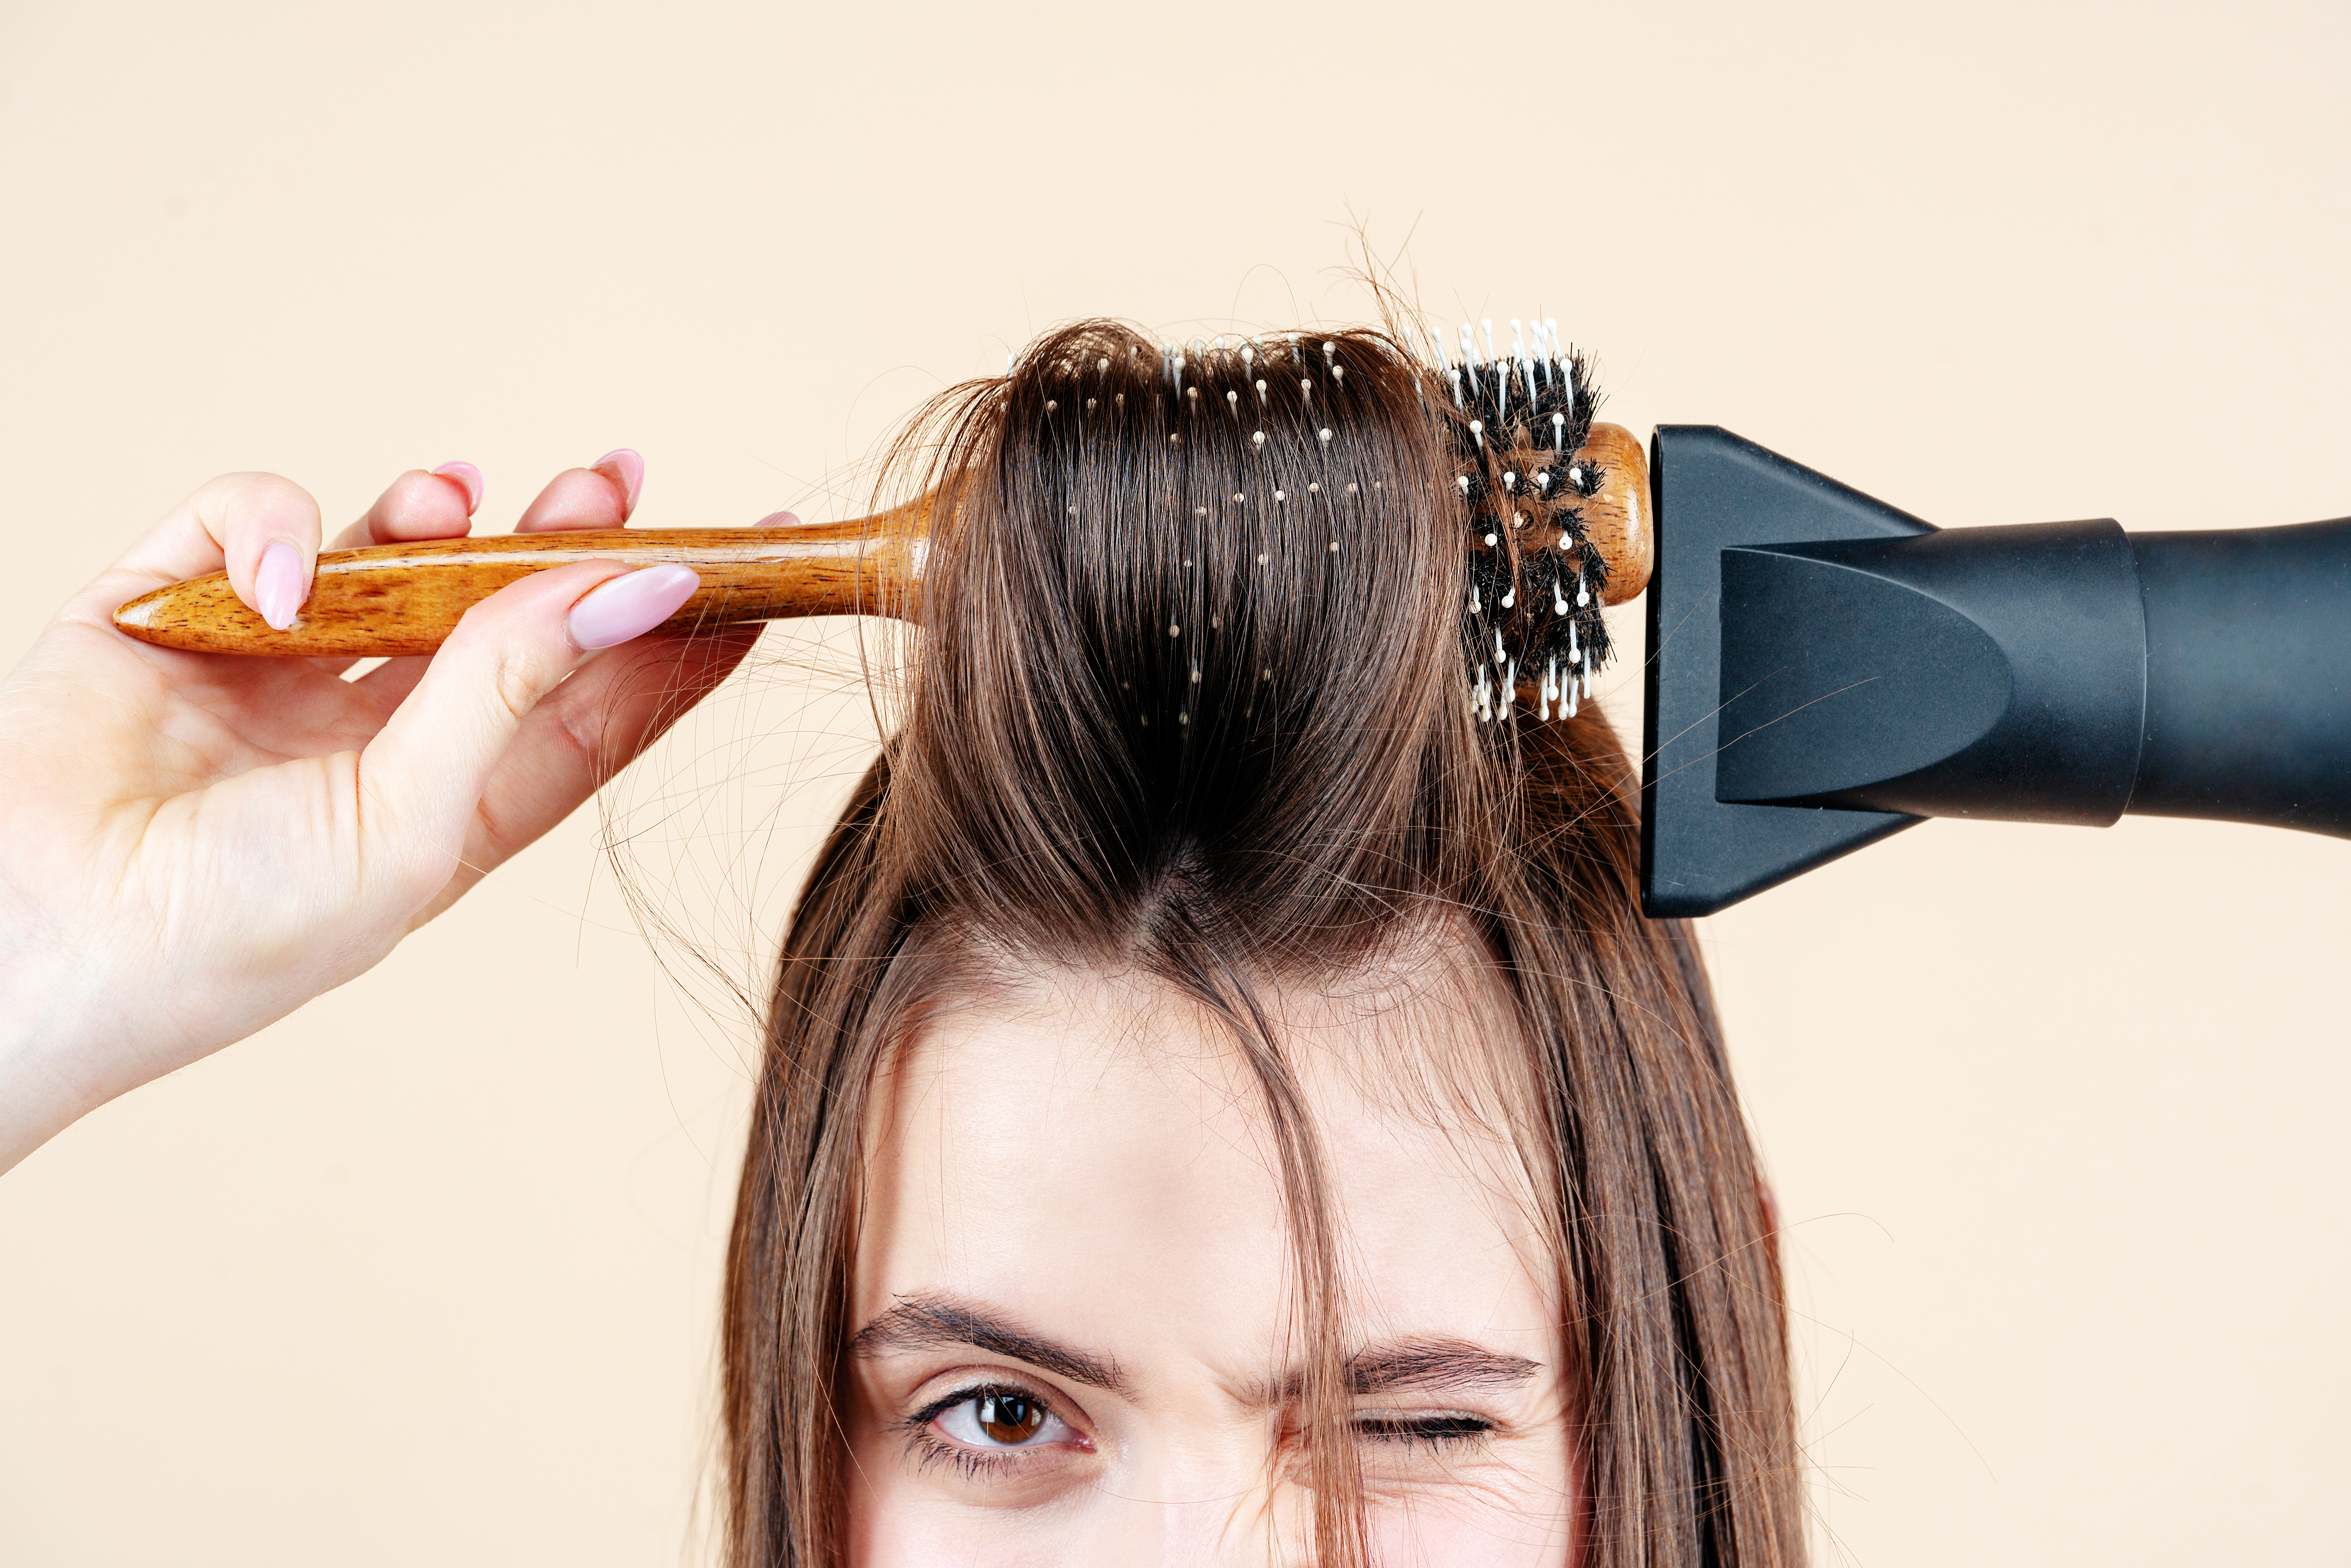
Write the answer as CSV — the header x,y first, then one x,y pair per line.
x,y
229,523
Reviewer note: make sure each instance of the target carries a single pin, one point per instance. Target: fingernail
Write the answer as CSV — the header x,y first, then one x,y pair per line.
x,y
631,606
277,585
777,520
468,475
630,469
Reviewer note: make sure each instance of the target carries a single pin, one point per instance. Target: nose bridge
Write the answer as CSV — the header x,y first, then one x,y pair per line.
x,y
1207,1508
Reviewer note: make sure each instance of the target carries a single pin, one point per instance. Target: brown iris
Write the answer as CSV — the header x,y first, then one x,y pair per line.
x,y
1010,1418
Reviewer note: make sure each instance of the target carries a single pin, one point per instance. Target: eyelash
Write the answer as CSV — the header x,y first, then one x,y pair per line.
x,y
1449,1430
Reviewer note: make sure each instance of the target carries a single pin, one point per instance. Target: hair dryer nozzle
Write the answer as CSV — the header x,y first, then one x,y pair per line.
x,y
1824,670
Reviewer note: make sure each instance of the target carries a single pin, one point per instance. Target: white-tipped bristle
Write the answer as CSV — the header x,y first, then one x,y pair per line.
x,y
1233,400
1478,429
1559,432
1249,356
1485,325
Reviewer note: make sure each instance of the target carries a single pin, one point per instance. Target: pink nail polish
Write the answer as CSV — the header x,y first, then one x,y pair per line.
x,y
278,589
632,470
468,475
631,606
777,520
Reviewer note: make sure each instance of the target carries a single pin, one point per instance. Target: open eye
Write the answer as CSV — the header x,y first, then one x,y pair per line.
x,y
1002,1418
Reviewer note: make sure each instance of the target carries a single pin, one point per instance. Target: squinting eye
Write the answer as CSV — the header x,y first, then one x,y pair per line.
x,y
1436,1431
1003,1418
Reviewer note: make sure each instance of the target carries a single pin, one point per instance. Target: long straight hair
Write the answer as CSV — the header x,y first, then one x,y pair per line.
x,y
1190,699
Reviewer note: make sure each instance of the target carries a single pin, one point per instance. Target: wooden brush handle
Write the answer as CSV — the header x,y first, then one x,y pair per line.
x,y
1616,519
401,598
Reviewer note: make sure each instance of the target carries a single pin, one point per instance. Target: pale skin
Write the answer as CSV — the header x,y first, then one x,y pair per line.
x,y
1073,1291
194,845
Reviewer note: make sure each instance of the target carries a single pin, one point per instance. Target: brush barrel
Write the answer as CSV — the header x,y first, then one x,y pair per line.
x,y
405,599
2050,672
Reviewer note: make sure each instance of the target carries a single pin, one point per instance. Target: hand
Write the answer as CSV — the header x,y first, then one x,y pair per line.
x,y
192,845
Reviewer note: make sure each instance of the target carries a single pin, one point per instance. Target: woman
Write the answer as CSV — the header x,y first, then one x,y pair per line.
x,y
1221,1102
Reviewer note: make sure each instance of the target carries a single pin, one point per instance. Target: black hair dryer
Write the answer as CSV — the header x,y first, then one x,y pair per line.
x,y
1824,670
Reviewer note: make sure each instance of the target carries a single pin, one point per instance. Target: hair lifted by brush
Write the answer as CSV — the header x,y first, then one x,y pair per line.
x,y
1194,695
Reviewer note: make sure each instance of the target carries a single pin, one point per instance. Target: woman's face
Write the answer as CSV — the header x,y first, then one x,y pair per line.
x,y
1073,1296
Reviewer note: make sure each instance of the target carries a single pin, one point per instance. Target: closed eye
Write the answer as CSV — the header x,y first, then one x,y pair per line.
x,y
1438,1430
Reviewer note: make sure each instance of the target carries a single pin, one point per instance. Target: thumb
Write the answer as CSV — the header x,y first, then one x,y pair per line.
x,y
423,776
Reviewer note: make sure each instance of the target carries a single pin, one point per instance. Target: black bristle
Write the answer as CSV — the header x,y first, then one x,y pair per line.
x,y
1505,443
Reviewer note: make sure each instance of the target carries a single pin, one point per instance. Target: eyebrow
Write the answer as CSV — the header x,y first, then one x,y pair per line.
x,y
1428,1363
929,1321
1434,1363
932,1322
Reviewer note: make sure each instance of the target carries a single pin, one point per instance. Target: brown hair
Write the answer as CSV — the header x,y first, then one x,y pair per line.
x,y
1190,699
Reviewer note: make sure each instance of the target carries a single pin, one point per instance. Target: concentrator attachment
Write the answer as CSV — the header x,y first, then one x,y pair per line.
x,y
1824,670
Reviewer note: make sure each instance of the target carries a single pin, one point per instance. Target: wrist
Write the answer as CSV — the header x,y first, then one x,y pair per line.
x,y
46,1082
50,1068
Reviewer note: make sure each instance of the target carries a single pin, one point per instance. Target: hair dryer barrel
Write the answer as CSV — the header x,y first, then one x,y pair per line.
x,y
2248,675
2059,672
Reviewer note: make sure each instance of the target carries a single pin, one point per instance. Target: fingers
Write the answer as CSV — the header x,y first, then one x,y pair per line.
x,y
238,521
593,725
418,506
601,496
264,531
424,774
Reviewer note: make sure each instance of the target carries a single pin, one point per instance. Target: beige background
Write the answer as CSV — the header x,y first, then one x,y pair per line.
x,y
427,1272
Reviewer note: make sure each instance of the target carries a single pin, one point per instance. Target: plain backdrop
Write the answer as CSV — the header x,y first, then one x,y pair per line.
x,y
428,1271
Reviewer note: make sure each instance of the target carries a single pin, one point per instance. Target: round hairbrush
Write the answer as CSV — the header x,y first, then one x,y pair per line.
x,y
405,599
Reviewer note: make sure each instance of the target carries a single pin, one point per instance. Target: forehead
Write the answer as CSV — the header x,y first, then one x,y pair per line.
x,y
1095,1152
